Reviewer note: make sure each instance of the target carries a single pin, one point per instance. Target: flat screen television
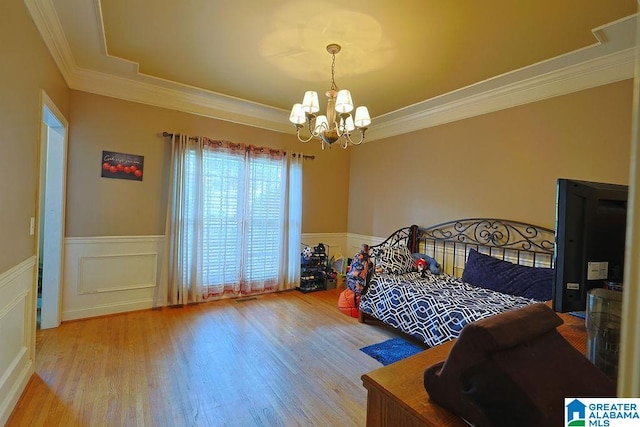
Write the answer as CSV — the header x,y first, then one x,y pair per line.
x,y
589,240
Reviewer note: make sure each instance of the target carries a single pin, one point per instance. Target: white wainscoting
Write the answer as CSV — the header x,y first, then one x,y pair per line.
x,y
335,243
17,333
345,244
355,242
107,275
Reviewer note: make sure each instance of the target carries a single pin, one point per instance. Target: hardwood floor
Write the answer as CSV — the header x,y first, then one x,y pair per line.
x,y
283,359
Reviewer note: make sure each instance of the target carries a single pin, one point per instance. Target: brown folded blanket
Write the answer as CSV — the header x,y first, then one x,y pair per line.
x,y
514,369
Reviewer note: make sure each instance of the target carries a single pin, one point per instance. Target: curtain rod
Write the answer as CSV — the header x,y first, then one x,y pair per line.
x,y
167,134
193,138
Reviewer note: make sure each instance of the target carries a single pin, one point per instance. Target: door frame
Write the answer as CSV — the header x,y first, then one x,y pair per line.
x,y
51,119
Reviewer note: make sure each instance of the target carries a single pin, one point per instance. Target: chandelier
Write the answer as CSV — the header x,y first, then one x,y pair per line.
x,y
337,125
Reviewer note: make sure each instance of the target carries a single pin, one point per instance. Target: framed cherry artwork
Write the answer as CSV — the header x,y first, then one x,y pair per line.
x,y
122,166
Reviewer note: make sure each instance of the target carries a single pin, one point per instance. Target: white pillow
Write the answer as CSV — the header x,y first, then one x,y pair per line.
x,y
395,260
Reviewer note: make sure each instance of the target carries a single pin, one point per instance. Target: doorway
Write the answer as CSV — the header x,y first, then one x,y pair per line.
x,y
51,214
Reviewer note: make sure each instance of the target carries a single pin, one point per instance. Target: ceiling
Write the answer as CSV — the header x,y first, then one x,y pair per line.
x,y
413,63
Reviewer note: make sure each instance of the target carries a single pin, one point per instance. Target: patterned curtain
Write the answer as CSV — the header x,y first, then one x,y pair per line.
x,y
233,217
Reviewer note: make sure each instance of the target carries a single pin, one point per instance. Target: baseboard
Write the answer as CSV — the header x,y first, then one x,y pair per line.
x,y
107,309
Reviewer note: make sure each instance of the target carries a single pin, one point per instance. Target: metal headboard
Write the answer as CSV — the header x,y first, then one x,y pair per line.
x,y
405,236
449,243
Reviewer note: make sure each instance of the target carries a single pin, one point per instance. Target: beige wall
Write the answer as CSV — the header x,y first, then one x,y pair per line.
x,y
111,207
501,165
26,68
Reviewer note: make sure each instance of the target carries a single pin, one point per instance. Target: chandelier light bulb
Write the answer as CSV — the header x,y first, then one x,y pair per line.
x,y
297,116
362,119
348,124
344,103
310,103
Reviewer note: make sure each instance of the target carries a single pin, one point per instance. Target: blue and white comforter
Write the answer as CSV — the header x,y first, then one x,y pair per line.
x,y
432,309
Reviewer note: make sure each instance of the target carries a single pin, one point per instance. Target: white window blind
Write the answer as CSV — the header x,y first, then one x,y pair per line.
x,y
241,223
265,216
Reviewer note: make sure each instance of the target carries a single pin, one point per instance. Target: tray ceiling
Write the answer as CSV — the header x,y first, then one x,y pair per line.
x,y
414,63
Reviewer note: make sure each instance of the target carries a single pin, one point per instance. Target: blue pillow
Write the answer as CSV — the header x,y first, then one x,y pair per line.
x,y
491,273
432,264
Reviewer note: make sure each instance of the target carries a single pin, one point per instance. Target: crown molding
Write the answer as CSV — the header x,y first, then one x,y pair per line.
x,y
449,108
165,94
46,20
609,60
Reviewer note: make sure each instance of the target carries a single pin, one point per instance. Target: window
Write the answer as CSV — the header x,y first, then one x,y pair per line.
x,y
231,220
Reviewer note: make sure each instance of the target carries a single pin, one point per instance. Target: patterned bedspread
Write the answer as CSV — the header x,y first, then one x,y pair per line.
x,y
435,308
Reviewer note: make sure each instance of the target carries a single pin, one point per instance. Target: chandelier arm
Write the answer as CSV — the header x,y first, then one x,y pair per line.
x,y
298,127
348,137
317,131
340,129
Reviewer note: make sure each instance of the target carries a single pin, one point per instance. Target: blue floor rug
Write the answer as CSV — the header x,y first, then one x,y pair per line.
x,y
392,350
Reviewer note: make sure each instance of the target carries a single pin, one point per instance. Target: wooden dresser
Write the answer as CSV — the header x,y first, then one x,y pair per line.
x,y
396,394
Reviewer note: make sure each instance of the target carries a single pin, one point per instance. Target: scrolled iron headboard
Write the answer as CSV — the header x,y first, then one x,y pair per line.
x,y
449,242
405,236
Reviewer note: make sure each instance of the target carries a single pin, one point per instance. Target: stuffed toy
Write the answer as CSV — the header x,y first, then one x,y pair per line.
x,y
421,265
431,264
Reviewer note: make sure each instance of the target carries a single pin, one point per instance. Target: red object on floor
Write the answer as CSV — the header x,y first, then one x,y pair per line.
x,y
348,303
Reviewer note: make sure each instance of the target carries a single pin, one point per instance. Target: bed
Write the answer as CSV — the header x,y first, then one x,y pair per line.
x,y
476,268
